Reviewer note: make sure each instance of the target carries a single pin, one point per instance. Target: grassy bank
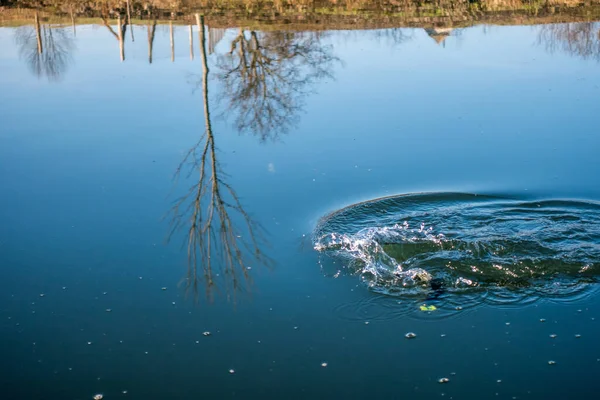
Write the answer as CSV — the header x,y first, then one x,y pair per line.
x,y
305,14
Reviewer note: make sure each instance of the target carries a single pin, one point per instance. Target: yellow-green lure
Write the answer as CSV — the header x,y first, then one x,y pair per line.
x,y
425,307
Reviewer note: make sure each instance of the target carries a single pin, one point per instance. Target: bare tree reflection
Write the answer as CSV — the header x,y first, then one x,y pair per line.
x,y
215,242
580,39
394,36
45,49
267,75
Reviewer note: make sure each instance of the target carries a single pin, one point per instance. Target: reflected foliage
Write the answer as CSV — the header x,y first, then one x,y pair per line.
x,y
45,49
222,238
266,76
581,39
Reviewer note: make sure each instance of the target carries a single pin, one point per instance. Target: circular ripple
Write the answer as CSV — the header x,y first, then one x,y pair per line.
x,y
457,251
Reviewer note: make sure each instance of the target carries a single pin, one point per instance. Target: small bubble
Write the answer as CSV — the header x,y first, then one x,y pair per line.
x,y
98,396
443,380
410,335
42,294
577,335
163,288
551,362
542,319
366,322
124,392
207,333
458,308
231,371
108,310
499,381
553,336
323,364
89,343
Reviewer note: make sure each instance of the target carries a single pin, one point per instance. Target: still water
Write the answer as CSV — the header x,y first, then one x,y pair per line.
x,y
274,221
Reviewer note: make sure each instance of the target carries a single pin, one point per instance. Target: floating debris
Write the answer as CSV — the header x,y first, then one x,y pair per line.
x,y
542,319
231,371
577,335
124,392
295,328
551,362
163,288
207,333
499,381
98,396
458,308
410,335
508,323
89,343
42,294
323,364
108,309
553,336
443,380
366,322
173,303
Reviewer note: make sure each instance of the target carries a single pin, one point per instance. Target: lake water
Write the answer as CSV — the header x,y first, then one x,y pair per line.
x,y
108,167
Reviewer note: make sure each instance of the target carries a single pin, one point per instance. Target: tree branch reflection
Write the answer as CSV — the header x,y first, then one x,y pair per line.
x,y
581,39
215,242
266,76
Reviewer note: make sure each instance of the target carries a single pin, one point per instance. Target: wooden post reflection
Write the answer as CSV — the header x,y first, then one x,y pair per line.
x,y
129,20
73,22
151,31
172,41
38,34
121,44
191,44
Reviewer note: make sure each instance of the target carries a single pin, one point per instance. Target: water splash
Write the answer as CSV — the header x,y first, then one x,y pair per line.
x,y
462,250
